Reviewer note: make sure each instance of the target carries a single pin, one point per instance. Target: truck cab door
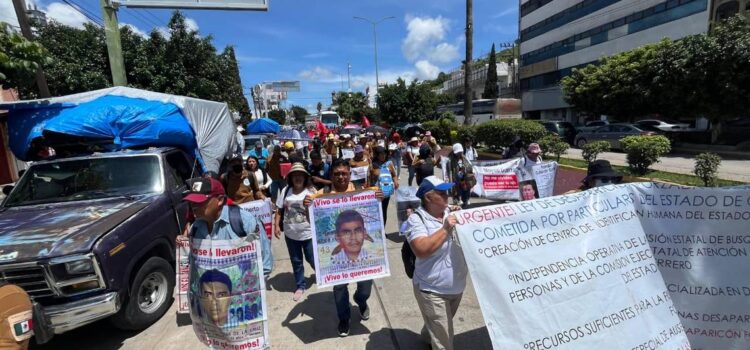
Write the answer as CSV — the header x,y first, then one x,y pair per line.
x,y
178,170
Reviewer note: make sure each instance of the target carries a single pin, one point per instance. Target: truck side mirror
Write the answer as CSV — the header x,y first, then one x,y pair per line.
x,y
7,189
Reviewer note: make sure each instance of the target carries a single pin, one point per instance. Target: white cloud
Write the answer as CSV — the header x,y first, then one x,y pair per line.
x,y
385,77
316,55
8,13
191,24
66,15
426,70
135,29
318,73
503,13
443,53
422,34
164,31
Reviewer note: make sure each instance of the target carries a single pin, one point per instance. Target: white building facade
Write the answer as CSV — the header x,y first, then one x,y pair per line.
x,y
455,85
559,35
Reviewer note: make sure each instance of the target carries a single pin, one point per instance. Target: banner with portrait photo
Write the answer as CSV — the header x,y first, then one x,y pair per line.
x,y
496,179
227,294
261,210
348,238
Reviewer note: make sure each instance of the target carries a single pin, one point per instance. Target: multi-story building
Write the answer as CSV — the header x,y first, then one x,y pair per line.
x,y
266,98
455,85
559,35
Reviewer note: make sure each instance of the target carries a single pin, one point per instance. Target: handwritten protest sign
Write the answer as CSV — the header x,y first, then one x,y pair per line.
x,y
347,153
227,294
183,275
349,239
496,180
261,210
657,263
359,173
544,174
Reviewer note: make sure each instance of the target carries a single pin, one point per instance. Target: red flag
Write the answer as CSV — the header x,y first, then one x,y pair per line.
x,y
365,122
321,128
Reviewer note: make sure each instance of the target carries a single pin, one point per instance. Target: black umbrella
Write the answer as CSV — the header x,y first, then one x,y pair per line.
x,y
375,128
412,130
351,131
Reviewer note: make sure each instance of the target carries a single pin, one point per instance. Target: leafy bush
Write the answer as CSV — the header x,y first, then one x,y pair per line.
x,y
441,129
592,149
706,167
643,151
466,133
553,144
501,132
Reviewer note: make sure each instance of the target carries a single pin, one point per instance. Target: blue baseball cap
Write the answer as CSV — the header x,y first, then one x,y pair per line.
x,y
432,183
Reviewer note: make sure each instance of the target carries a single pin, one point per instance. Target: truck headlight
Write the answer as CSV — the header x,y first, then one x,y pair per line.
x,y
79,267
75,274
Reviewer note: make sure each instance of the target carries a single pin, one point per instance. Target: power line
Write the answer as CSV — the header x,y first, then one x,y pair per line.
x,y
142,18
84,12
152,16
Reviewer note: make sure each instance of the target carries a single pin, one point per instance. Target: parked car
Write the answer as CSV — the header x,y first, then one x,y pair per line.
x,y
735,131
611,133
92,237
664,124
566,130
250,143
591,126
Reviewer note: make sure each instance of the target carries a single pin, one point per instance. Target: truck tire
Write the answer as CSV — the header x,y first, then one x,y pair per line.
x,y
150,296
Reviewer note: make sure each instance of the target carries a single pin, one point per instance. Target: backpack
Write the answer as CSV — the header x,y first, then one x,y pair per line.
x,y
385,180
407,255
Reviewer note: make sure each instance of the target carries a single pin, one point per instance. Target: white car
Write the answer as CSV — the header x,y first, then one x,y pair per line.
x,y
664,125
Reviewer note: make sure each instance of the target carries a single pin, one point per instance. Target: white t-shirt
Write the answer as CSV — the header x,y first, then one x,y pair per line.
x,y
470,154
443,272
296,226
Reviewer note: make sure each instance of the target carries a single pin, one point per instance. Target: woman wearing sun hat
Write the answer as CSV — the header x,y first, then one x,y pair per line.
x,y
292,215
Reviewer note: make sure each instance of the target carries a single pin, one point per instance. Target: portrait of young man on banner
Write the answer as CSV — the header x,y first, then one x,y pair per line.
x,y
349,238
528,190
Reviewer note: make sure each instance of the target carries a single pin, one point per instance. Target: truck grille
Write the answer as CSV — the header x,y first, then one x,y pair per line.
x,y
30,278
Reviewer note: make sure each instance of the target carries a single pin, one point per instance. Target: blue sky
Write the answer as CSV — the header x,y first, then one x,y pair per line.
x,y
312,41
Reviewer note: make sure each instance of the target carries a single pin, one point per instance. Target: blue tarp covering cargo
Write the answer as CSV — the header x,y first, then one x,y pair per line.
x,y
263,126
123,117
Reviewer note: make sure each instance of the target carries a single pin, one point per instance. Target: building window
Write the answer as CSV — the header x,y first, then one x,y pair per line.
x,y
727,10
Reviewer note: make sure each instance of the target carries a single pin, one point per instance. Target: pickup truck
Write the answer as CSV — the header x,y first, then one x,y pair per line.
x,y
91,237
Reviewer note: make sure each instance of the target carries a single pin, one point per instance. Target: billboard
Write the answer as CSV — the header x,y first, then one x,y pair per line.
x,y
254,5
285,86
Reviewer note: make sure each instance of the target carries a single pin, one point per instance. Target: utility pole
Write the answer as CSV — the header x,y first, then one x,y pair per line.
x,y
468,94
114,47
349,77
23,22
375,44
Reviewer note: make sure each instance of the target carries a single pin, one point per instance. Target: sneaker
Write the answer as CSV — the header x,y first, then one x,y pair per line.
x,y
343,328
298,294
364,313
268,285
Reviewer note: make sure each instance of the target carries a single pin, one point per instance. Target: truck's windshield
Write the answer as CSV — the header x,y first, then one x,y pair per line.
x,y
330,118
82,179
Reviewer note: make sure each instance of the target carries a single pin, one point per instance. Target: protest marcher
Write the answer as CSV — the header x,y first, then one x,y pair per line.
x,y
425,164
410,156
273,168
531,158
396,137
383,174
515,149
600,173
340,178
394,153
319,171
440,270
360,160
241,185
470,153
16,325
462,175
261,176
213,218
332,147
260,153
296,226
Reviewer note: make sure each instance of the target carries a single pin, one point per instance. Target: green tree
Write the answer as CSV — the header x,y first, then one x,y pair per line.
x,y
299,114
19,58
490,85
351,105
319,107
399,102
278,115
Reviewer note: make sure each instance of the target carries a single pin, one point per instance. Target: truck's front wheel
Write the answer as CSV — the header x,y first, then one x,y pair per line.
x,y
150,296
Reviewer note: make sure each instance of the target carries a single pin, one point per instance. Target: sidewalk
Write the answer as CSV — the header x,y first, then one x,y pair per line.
x,y
737,170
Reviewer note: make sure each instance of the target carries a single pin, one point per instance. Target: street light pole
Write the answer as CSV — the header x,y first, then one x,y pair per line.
x,y
375,42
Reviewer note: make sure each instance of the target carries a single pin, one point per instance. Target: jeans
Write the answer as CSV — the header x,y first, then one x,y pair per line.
x,y
267,252
296,250
276,186
384,205
412,173
341,296
397,164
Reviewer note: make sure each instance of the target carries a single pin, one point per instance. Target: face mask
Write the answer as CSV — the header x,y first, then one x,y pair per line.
x,y
237,168
603,181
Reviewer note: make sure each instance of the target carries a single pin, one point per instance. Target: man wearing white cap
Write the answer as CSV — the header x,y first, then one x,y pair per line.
x,y
411,155
440,269
531,158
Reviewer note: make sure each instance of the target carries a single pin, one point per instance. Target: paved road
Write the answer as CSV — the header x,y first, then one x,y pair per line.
x,y
730,169
311,323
